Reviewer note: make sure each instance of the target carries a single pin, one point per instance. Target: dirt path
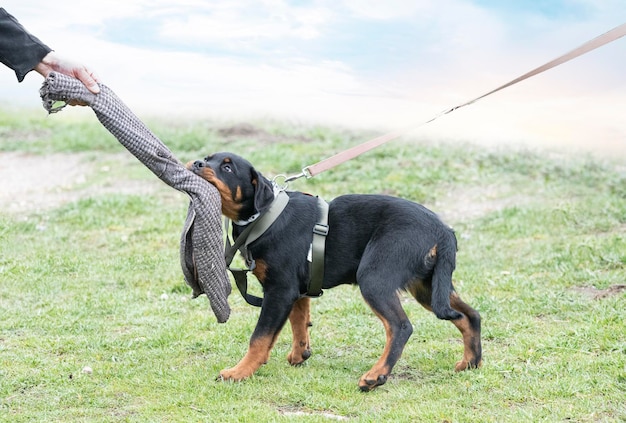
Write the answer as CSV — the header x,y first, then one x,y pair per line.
x,y
33,183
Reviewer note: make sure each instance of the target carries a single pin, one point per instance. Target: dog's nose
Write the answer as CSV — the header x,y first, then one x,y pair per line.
x,y
198,164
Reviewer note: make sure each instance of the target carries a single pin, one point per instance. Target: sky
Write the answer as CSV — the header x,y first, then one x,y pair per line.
x,y
356,63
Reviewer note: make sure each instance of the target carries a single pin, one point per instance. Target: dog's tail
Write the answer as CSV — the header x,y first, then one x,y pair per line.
x,y
443,257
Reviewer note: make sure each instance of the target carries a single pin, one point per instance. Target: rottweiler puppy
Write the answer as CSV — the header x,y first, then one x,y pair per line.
x,y
381,243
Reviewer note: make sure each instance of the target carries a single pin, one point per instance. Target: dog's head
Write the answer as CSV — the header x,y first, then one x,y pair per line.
x,y
243,189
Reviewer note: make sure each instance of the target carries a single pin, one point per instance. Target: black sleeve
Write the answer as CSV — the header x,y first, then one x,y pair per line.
x,y
19,50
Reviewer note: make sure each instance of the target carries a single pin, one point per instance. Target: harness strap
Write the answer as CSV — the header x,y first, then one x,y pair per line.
x,y
320,230
268,218
239,274
252,232
241,279
256,228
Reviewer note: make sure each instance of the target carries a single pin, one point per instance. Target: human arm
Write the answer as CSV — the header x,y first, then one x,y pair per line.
x,y
19,50
23,52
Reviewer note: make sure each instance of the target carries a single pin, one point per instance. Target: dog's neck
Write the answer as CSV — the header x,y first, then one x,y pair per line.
x,y
249,220
256,215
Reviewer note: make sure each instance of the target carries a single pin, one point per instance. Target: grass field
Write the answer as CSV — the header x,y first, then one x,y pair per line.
x,y
97,324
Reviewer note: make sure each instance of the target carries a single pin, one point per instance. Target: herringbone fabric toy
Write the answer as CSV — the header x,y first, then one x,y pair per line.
x,y
201,251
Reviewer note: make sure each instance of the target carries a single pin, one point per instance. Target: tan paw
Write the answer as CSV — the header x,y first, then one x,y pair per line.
x,y
235,374
466,365
371,380
299,356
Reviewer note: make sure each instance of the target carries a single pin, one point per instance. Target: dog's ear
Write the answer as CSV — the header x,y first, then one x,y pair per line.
x,y
263,191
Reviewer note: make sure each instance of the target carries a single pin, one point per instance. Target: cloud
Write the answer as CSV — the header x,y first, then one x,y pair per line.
x,y
394,9
353,62
246,22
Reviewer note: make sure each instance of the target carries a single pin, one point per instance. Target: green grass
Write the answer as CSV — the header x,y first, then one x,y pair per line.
x,y
96,282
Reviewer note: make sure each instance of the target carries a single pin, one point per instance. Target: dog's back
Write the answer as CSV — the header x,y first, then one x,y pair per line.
x,y
408,241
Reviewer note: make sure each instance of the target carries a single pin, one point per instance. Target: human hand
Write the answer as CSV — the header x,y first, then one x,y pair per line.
x,y
54,62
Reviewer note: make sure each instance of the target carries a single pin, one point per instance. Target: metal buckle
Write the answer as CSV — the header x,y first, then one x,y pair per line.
x,y
320,229
284,185
306,173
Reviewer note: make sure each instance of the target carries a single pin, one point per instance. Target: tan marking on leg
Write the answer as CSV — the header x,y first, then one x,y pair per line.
x,y
472,349
420,293
300,319
260,270
372,378
257,355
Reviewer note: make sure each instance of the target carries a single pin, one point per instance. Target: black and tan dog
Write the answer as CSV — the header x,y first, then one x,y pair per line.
x,y
381,243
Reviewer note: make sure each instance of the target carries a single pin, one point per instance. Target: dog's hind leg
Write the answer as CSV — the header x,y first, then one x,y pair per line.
x,y
398,328
300,319
468,324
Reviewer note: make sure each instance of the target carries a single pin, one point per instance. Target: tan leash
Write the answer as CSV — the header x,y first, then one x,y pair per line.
x,y
344,156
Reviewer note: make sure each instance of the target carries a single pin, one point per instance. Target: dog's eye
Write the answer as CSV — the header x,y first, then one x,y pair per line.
x,y
226,168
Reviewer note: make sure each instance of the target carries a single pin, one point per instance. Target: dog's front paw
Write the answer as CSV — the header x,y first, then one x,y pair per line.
x,y
299,356
235,374
466,365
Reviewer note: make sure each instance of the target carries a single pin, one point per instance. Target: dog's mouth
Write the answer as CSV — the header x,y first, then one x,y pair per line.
x,y
200,168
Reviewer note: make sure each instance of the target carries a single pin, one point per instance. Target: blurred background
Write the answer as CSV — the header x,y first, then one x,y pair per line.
x,y
355,63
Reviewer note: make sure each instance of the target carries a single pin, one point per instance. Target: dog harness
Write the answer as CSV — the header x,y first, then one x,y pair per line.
x,y
257,227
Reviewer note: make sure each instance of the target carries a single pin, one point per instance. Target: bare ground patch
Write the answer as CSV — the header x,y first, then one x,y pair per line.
x,y
297,412
33,183
598,294
248,130
467,203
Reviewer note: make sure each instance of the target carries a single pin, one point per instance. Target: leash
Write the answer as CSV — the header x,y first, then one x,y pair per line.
x,y
339,158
